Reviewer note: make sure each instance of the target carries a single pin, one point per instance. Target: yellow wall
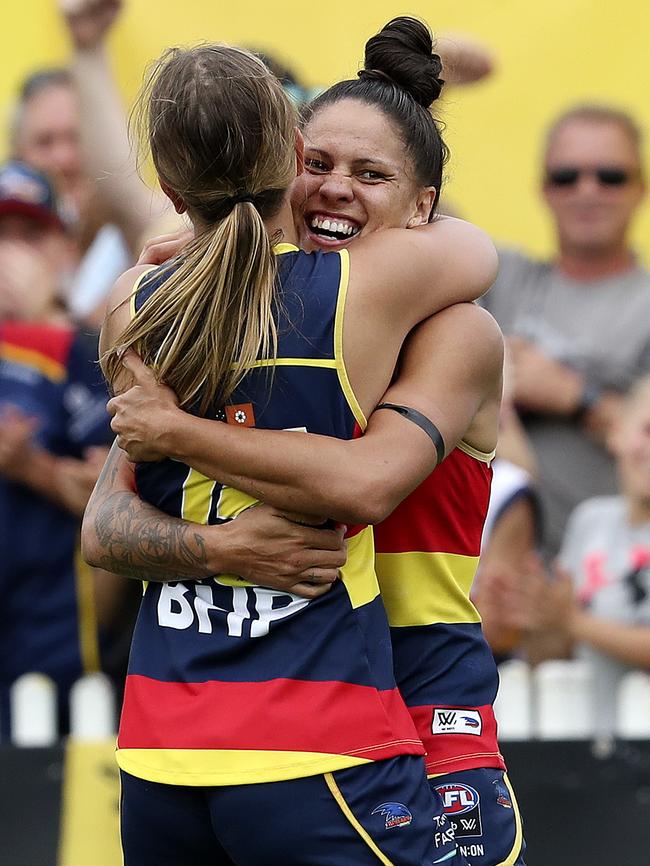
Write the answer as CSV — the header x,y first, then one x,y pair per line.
x,y
549,55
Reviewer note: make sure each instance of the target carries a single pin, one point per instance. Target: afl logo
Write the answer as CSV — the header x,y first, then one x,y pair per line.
x,y
457,799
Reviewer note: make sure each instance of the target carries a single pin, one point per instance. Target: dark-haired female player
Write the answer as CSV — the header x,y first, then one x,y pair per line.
x,y
231,684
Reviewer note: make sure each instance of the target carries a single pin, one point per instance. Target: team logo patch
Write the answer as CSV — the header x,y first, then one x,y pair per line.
x,y
241,414
462,805
502,793
396,814
456,721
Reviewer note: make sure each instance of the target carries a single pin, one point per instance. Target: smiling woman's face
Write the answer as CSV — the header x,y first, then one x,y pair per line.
x,y
358,178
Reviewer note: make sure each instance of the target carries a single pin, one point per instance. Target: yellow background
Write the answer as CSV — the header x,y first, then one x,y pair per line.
x,y
549,55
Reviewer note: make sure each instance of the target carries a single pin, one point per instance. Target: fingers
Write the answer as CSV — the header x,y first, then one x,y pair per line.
x,y
317,556
132,362
308,590
318,574
315,582
160,249
323,539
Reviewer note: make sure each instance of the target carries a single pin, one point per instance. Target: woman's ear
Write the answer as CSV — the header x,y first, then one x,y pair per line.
x,y
174,197
423,207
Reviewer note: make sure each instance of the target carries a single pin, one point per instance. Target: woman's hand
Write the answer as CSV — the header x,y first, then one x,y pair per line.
x,y
143,414
269,548
160,249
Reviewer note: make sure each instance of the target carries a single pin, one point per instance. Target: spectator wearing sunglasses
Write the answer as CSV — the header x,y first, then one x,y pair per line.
x,y
578,325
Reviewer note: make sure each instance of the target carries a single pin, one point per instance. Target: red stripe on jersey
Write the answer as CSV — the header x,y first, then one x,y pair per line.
x,y
300,716
453,751
445,514
50,341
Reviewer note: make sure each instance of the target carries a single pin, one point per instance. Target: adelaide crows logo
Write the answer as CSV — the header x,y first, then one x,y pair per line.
x,y
396,814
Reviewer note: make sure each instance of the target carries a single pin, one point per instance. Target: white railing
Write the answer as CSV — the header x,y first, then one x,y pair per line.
x,y
34,710
554,701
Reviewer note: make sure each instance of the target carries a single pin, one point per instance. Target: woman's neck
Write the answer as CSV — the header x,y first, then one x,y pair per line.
x,y
281,226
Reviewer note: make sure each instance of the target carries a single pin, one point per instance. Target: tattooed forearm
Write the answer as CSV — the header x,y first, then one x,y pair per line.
x,y
138,541
127,536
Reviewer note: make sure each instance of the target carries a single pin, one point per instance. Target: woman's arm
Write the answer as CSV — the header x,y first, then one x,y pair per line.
x,y
109,156
627,643
451,368
125,535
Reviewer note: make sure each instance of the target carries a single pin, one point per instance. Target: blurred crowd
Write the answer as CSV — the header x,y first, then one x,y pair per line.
x,y
566,555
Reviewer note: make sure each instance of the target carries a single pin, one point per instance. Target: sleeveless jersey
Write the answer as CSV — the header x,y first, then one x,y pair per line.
x,y
427,555
47,622
231,683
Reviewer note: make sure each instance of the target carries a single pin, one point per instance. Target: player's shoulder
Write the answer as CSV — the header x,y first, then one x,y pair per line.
x,y
472,327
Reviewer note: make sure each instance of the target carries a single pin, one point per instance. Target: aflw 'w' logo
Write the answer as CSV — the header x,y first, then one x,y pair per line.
x,y
457,720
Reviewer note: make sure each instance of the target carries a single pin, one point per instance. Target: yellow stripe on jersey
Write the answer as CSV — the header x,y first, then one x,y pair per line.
x,y
50,368
344,382
282,248
232,502
197,497
358,574
427,588
136,286
292,362
228,766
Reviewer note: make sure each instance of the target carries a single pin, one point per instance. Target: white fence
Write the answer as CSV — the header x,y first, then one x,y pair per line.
x,y
551,702
34,710
556,701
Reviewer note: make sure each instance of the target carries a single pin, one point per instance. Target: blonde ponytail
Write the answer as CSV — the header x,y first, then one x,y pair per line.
x,y
222,136
214,318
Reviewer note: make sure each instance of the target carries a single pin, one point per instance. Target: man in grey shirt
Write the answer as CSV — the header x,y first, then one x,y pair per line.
x,y
578,326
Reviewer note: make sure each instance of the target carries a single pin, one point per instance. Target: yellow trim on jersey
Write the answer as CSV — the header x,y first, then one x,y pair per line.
x,y
335,791
136,286
427,588
358,574
511,859
50,368
197,497
483,456
86,614
344,382
194,767
293,362
283,247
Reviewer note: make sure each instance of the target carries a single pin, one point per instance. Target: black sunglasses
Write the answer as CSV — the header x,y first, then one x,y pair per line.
x,y
569,176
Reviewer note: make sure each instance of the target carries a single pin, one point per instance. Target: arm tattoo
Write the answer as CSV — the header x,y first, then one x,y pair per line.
x,y
137,540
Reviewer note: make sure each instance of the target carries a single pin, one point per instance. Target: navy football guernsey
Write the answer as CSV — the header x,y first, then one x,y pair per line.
x,y
231,683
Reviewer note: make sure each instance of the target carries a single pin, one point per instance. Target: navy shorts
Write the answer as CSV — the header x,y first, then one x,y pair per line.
x,y
378,813
481,806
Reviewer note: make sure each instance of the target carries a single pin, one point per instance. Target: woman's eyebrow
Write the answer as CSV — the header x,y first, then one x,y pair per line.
x,y
369,160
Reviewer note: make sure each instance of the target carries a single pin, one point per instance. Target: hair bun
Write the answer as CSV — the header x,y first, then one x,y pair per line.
x,y
402,52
